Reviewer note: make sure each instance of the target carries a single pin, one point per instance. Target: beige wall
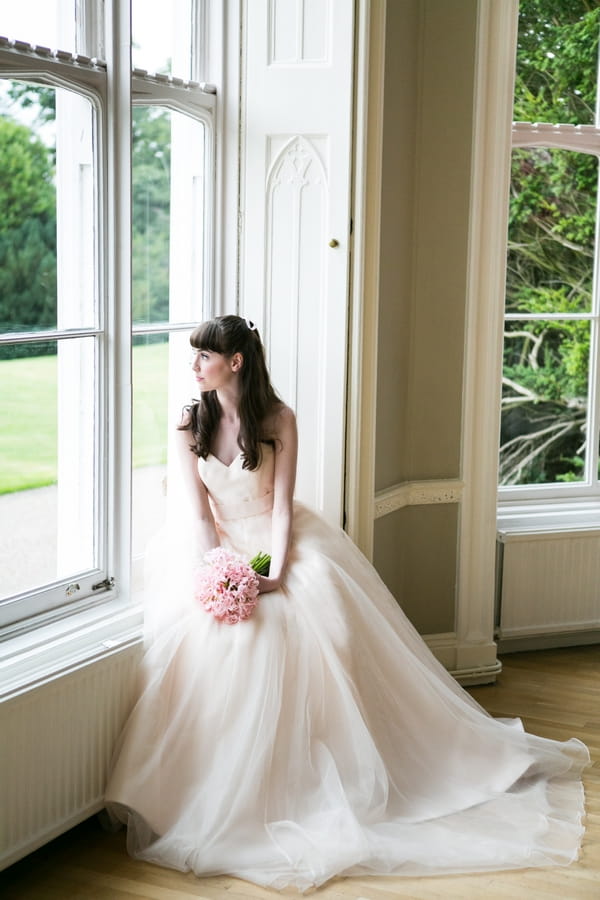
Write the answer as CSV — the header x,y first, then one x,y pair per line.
x,y
428,111
418,546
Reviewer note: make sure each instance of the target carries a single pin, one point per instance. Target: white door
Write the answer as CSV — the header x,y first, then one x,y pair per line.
x,y
295,219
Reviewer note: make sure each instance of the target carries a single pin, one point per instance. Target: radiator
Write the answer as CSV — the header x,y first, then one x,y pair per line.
x,y
56,746
549,583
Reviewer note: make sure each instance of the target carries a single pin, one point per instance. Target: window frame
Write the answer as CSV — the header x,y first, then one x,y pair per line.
x,y
578,139
87,79
113,90
199,104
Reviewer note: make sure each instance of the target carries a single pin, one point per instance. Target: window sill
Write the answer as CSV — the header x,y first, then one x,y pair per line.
x,y
43,654
574,516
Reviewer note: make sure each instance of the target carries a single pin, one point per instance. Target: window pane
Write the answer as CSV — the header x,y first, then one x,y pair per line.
x,y
47,230
47,462
162,386
168,216
545,388
50,23
150,432
557,60
162,36
551,231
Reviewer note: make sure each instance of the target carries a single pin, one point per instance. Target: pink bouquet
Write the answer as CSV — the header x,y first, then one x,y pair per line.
x,y
227,585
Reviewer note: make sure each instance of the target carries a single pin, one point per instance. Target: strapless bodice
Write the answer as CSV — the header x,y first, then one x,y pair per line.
x,y
235,492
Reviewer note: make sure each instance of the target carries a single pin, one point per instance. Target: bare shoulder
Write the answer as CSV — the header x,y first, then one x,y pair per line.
x,y
281,425
285,416
283,420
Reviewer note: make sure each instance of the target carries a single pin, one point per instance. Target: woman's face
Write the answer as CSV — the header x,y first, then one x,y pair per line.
x,y
213,371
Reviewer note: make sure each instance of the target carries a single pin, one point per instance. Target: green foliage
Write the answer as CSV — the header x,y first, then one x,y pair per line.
x,y
552,226
26,176
28,298
150,213
27,234
34,97
151,163
28,280
557,59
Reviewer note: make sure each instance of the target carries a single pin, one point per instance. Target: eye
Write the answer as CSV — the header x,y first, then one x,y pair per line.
x,y
203,355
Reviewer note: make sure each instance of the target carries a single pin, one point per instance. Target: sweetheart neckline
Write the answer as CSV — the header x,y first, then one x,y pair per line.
x,y
225,465
237,456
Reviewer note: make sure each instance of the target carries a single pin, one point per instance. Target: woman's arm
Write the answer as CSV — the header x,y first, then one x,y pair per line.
x,y
286,451
204,532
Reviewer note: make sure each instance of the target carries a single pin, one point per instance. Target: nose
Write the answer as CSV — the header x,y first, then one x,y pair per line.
x,y
196,362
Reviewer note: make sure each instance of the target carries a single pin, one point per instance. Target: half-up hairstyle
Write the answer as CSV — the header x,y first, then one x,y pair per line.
x,y
228,335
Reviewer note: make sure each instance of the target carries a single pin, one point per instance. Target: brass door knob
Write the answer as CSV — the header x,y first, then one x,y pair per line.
x,y
334,243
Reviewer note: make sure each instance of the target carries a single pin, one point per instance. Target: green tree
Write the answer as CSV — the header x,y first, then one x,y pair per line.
x,y
27,233
151,169
552,224
557,60
28,225
35,97
26,176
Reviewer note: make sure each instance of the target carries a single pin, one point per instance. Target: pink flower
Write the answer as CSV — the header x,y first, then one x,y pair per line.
x,y
227,586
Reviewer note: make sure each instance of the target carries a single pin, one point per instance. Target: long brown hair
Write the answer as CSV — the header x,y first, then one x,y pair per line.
x,y
229,335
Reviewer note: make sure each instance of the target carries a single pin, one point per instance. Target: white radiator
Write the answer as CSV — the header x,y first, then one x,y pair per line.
x,y
56,744
550,583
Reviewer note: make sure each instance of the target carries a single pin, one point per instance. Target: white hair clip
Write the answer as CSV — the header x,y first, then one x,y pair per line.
x,y
250,324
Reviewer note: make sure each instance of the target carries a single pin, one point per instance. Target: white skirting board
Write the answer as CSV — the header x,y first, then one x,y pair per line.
x,y
56,746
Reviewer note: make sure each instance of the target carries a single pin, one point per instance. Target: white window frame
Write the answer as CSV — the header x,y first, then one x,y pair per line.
x,y
51,600
579,139
106,620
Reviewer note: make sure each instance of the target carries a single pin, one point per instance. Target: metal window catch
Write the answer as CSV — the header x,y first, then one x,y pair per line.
x,y
105,585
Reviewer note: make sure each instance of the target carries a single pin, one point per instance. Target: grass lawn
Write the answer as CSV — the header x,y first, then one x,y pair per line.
x,y
150,391
27,423
28,416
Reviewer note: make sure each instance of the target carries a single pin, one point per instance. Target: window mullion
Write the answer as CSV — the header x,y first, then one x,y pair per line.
x,y
118,289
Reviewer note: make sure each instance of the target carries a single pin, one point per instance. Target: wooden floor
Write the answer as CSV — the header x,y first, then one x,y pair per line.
x,y
555,692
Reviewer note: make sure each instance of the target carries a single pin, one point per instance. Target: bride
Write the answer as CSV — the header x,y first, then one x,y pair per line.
x,y
319,737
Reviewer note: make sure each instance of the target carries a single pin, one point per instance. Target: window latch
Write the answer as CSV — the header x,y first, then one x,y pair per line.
x,y
105,585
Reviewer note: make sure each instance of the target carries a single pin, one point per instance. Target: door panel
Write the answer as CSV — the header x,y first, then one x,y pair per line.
x,y
296,152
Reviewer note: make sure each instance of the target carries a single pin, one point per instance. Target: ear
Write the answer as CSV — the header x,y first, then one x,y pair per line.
x,y
237,361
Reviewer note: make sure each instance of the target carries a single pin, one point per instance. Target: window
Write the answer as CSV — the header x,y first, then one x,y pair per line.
x,y
170,291
71,331
51,24
550,419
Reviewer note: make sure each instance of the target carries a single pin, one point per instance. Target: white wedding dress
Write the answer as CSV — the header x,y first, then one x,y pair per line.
x,y
321,737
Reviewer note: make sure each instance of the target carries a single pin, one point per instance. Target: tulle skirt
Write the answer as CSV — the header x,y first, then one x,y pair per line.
x,y
322,738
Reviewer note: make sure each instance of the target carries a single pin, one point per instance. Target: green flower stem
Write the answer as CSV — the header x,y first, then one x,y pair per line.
x,y
261,563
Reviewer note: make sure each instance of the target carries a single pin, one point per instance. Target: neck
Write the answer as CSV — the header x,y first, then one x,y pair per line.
x,y
229,401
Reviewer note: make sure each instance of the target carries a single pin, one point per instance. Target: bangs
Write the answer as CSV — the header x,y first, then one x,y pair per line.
x,y
207,336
